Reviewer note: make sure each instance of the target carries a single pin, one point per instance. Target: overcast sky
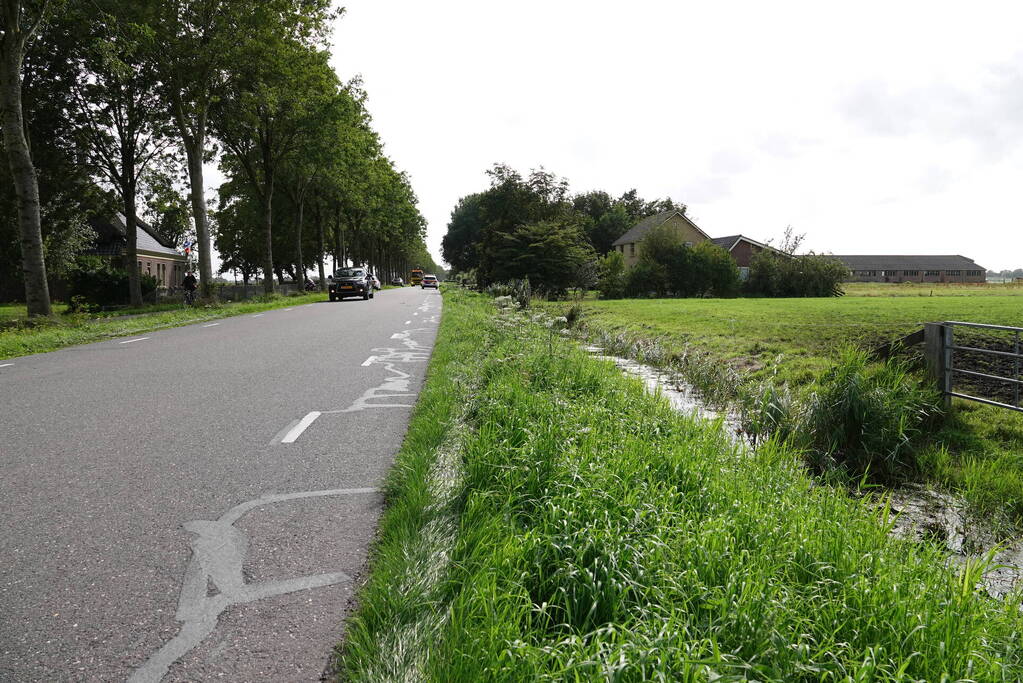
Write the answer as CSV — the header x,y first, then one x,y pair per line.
x,y
873,127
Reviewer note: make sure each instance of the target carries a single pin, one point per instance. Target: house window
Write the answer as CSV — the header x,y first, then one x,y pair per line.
x,y
911,272
689,244
743,273
955,273
932,273
632,249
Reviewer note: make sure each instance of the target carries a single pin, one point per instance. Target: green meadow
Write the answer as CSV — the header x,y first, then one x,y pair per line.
x,y
976,451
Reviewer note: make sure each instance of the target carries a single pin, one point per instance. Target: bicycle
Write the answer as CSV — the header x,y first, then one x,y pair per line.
x,y
190,297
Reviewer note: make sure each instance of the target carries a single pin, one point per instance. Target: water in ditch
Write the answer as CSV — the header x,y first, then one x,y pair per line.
x,y
922,514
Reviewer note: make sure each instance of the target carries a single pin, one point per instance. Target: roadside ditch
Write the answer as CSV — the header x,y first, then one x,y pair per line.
x,y
920,513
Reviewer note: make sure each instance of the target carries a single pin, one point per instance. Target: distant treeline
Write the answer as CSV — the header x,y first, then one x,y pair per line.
x,y
531,227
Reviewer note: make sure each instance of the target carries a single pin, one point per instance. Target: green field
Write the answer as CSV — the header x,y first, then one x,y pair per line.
x,y
979,449
548,519
795,337
921,289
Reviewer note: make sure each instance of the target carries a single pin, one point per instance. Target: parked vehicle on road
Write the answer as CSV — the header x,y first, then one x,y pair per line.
x,y
376,282
351,282
430,281
397,282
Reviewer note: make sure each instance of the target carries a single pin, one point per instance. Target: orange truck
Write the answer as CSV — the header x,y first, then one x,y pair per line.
x,y
416,277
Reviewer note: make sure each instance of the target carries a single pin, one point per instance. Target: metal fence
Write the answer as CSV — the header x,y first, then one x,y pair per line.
x,y
979,359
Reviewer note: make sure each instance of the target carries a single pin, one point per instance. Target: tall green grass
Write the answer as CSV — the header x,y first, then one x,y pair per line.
x,y
598,535
867,416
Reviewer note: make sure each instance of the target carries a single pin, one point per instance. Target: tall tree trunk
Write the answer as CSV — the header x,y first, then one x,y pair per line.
x,y
194,151
322,248
338,253
268,246
300,274
26,185
131,233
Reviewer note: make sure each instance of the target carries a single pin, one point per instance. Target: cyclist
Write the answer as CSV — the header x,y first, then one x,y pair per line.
x,y
189,284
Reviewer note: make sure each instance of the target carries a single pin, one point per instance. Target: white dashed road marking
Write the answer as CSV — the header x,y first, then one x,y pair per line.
x,y
297,430
6,365
131,341
258,314
369,361
408,322
211,325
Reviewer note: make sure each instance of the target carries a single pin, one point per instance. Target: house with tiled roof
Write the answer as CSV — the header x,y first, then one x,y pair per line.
x,y
628,244
912,268
740,247
157,255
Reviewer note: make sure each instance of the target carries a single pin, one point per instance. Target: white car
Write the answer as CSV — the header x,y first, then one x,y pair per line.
x,y
431,281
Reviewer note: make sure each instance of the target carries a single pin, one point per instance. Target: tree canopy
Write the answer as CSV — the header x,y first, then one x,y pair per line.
x,y
122,105
531,226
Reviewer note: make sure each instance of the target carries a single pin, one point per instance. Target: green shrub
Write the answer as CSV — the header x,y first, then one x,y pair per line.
x,y
95,282
865,416
646,278
777,275
519,290
673,268
611,280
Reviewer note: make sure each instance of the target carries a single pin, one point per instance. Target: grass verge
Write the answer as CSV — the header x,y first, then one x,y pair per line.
x,y
39,336
721,343
588,532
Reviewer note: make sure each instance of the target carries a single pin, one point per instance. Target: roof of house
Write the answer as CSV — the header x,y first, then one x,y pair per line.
x,y
909,262
111,239
637,232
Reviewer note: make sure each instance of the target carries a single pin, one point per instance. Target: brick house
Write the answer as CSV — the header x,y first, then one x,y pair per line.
x,y
741,248
157,256
628,243
867,268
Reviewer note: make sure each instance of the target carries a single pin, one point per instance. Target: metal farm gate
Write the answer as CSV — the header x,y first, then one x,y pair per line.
x,y
976,362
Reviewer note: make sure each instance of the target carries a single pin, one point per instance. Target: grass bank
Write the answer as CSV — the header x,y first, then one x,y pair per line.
x,y
793,338
548,520
977,452
41,335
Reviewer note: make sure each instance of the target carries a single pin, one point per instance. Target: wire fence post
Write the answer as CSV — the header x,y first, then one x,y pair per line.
x,y
946,346
935,358
1015,372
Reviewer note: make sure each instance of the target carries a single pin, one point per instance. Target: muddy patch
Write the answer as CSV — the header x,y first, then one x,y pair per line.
x,y
925,515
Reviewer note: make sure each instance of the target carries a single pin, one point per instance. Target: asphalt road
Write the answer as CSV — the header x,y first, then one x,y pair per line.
x,y
196,503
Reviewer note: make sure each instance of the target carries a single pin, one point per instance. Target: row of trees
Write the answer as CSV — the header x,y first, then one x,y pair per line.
x,y
531,226
106,104
1006,274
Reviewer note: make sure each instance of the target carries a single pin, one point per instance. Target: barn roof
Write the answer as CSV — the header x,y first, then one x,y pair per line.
x,y
111,237
908,262
637,232
728,243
